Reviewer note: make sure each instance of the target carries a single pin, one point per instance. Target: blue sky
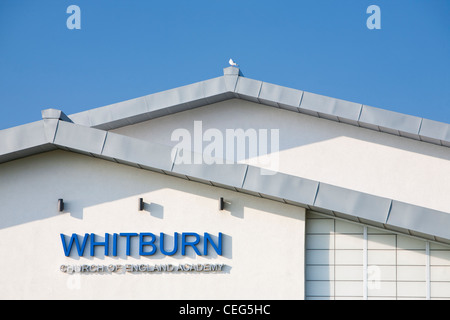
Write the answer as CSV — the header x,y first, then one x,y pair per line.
x,y
130,48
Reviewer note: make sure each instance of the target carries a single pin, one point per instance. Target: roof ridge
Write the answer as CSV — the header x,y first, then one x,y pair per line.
x,y
234,85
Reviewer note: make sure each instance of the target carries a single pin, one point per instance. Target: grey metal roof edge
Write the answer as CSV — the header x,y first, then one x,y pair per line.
x,y
378,211
234,85
54,114
27,139
421,221
357,204
159,104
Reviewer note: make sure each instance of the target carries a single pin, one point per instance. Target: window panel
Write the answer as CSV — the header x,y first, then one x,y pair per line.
x,y
396,264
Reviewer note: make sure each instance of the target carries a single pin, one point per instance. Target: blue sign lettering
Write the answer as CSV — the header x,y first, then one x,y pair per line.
x,y
148,243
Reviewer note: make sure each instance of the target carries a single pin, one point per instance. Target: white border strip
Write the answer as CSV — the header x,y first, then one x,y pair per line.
x,y
365,263
428,270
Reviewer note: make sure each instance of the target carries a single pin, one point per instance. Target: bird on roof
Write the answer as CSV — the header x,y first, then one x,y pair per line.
x,y
232,63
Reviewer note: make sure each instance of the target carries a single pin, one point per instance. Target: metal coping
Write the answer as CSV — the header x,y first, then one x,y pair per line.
x,y
54,133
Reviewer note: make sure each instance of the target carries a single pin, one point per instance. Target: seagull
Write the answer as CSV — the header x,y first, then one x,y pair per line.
x,y
232,63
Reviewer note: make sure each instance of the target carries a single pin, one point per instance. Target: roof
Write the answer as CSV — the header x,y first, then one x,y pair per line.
x,y
86,133
233,85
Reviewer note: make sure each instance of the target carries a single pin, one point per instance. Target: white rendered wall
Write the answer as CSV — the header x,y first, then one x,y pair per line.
x,y
263,244
343,155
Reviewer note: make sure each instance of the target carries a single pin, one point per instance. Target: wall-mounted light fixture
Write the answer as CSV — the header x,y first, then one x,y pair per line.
x,y
141,204
60,205
222,203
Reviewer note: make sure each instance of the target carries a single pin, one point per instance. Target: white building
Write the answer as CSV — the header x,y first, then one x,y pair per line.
x,y
350,203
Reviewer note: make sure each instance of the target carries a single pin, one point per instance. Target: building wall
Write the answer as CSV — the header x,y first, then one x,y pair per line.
x,y
263,240
347,260
339,154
